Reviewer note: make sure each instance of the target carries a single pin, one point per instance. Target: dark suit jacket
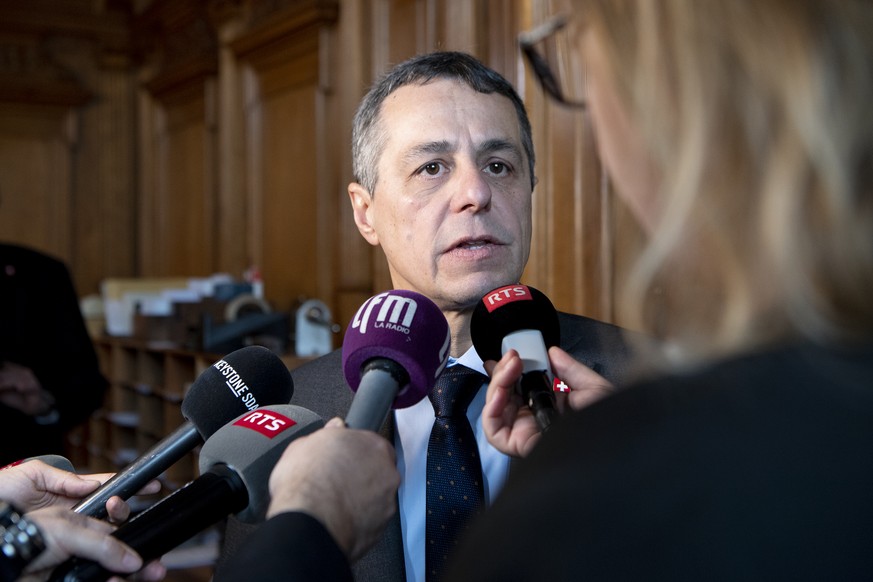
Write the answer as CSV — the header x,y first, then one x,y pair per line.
x,y
41,328
320,386
760,468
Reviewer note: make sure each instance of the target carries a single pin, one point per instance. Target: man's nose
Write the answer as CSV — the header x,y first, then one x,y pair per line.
x,y
473,189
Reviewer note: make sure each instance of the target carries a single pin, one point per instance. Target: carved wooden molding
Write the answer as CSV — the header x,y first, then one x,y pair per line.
x,y
179,78
178,41
272,21
29,75
107,23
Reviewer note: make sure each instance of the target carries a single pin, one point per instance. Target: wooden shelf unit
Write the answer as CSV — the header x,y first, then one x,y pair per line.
x,y
147,382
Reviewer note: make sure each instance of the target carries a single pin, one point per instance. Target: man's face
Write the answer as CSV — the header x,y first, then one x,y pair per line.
x,y
452,206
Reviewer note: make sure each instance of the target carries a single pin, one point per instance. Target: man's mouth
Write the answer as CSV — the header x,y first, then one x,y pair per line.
x,y
473,244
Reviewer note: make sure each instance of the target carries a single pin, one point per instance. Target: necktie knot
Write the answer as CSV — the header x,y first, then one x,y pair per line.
x,y
454,391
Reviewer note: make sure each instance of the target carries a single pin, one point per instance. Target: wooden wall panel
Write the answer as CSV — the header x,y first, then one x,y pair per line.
x,y
285,215
570,256
186,218
291,174
232,243
350,78
35,189
104,181
178,224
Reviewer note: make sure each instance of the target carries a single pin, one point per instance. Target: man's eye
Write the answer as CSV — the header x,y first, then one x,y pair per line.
x,y
498,168
433,168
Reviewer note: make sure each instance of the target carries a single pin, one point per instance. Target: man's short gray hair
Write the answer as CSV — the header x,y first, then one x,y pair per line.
x,y
368,135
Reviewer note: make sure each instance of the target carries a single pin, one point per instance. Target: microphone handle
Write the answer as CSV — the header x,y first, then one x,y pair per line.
x,y
536,389
135,476
381,380
170,522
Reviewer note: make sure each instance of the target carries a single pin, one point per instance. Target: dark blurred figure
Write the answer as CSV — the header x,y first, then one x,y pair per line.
x,y
50,380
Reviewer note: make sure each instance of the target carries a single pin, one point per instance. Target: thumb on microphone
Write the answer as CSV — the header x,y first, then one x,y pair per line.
x,y
335,422
509,425
585,385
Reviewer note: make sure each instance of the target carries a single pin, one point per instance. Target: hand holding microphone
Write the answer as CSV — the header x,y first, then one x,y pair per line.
x,y
235,464
518,326
520,318
50,481
43,489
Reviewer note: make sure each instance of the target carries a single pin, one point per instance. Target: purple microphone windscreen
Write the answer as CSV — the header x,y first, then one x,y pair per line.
x,y
240,382
402,326
508,309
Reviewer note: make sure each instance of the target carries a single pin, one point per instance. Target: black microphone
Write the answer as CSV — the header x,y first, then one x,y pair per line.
x,y
394,350
235,465
521,318
242,381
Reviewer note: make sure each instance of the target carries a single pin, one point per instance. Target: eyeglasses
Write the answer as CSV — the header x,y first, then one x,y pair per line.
x,y
556,63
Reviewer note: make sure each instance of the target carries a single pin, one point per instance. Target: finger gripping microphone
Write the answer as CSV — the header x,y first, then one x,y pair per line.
x,y
394,350
235,466
240,382
521,318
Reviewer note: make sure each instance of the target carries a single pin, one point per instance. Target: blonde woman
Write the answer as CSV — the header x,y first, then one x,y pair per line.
x,y
740,134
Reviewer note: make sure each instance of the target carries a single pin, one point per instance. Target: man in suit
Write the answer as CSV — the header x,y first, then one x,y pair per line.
x,y
444,166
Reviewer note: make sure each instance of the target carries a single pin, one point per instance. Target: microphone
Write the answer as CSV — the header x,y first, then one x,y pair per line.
x,y
240,382
521,318
235,465
394,350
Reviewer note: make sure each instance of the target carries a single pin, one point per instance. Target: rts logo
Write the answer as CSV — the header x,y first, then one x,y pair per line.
x,y
395,313
505,295
268,423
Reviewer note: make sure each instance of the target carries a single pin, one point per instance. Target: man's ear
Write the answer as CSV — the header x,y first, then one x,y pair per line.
x,y
362,202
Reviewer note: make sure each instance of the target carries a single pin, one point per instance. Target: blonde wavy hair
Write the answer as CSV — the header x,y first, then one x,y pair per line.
x,y
759,118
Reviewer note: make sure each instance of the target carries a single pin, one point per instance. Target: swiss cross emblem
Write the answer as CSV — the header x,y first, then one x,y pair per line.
x,y
559,386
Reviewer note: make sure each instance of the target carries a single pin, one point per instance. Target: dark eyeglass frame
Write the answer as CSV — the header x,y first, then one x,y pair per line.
x,y
527,41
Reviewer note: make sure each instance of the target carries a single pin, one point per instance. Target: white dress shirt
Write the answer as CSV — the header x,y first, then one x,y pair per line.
x,y
411,437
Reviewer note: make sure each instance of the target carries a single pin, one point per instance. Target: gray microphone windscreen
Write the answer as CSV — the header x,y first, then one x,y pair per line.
x,y
252,444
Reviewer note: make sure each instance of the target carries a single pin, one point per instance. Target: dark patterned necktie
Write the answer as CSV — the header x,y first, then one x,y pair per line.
x,y
454,470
